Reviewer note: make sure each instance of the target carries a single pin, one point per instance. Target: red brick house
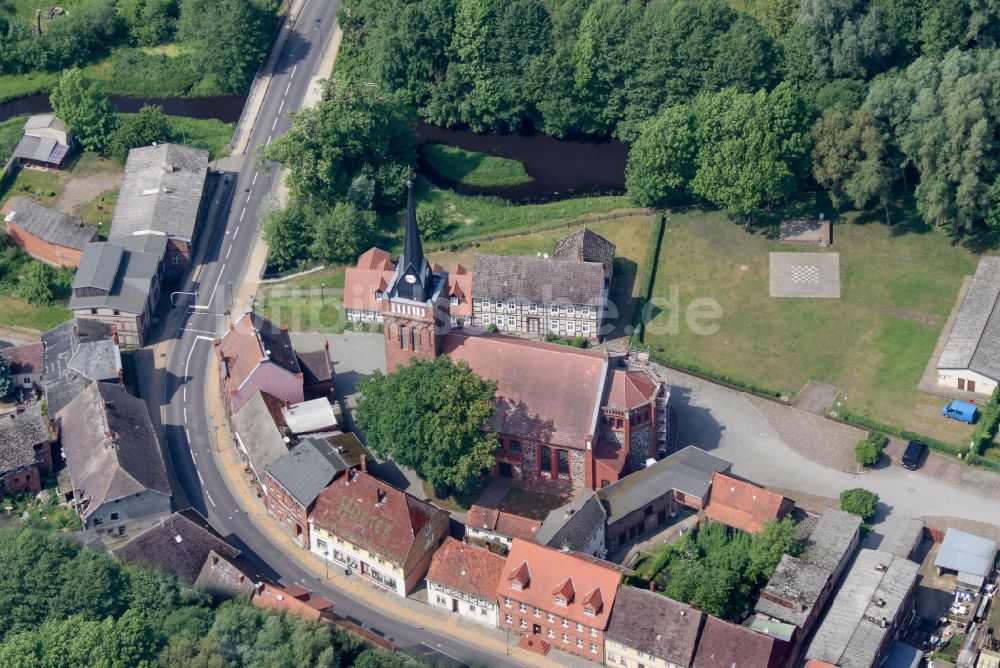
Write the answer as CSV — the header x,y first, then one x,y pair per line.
x,y
293,482
293,600
46,234
25,451
552,598
743,505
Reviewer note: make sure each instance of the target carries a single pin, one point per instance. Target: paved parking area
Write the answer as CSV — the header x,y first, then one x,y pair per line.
x,y
805,275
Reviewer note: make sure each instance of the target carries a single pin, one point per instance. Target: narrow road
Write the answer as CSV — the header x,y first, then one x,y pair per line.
x,y
185,419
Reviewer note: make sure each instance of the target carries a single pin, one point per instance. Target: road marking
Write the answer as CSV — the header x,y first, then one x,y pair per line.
x,y
274,124
210,300
292,75
200,479
440,651
188,434
229,251
206,338
200,307
235,232
243,213
255,175
248,195
190,351
185,415
209,497
281,106
268,140
185,395
287,87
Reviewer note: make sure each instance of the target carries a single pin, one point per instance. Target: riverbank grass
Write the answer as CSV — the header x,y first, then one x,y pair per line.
x,y
207,133
474,169
897,290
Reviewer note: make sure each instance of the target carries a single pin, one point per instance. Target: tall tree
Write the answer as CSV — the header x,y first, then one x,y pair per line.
x,y
343,233
775,539
83,109
353,130
6,382
850,159
752,147
134,130
661,162
432,417
230,38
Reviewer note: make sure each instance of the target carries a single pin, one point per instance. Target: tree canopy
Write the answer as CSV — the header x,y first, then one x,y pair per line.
x,y
431,416
859,501
6,382
84,110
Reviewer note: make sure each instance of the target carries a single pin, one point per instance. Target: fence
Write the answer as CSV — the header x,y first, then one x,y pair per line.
x,y
458,244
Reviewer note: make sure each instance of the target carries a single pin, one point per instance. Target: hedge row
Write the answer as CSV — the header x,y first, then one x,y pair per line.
x,y
646,293
865,422
713,376
988,422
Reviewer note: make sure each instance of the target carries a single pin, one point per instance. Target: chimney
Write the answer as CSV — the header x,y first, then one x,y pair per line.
x,y
326,345
380,495
652,585
364,463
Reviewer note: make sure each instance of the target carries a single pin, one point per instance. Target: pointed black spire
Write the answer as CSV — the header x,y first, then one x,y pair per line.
x,y
413,279
413,250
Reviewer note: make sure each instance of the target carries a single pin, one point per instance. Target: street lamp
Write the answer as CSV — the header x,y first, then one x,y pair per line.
x,y
326,563
321,287
318,28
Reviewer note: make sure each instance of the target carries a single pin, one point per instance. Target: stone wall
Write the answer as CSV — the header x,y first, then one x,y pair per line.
x,y
640,447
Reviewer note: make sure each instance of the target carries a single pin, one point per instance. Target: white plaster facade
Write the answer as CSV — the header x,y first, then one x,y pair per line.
x,y
469,606
618,654
342,554
960,379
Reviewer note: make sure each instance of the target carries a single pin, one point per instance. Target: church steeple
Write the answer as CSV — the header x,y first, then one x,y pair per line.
x,y
413,278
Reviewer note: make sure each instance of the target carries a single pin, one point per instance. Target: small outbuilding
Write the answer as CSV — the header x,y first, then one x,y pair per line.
x,y
46,142
46,234
970,359
967,556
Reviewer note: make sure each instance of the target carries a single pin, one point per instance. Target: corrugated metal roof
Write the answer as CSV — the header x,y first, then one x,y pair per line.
x,y
966,553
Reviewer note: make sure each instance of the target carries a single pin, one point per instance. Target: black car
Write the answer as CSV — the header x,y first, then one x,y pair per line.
x,y
914,454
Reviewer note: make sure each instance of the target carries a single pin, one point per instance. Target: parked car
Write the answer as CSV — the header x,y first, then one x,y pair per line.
x,y
963,411
913,454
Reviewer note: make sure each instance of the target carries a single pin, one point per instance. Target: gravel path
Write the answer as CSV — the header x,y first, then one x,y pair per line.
x,y
79,192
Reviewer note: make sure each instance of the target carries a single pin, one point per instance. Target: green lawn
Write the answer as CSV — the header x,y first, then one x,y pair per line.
x,y
19,313
40,186
529,503
100,211
873,343
474,169
470,217
11,132
304,314
207,133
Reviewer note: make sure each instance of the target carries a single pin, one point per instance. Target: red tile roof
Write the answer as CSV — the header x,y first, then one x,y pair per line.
x,y
26,359
467,568
630,389
725,645
294,600
546,392
743,505
351,509
609,459
504,524
545,572
371,275
245,345
460,285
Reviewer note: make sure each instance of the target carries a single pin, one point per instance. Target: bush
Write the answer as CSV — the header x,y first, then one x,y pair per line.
x,y
866,453
720,378
988,422
865,422
860,502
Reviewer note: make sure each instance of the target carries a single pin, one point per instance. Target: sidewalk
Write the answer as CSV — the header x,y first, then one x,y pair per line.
x,y
418,614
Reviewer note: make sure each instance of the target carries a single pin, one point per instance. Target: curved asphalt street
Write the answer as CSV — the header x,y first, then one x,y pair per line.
x,y
184,412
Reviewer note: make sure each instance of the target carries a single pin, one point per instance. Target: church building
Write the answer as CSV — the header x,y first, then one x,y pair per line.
x,y
576,418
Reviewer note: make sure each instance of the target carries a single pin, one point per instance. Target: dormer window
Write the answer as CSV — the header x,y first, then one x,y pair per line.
x,y
564,592
561,600
589,611
454,301
519,577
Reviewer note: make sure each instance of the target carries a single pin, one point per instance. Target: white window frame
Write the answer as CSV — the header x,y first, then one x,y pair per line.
x,y
579,643
524,623
533,307
570,327
554,309
570,309
585,327
498,303
454,301
508,618
511,321
554,326
511,304
585,311
565,637
486,318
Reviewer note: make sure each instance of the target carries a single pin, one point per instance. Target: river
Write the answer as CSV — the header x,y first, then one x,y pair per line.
x,y
226,108
559,168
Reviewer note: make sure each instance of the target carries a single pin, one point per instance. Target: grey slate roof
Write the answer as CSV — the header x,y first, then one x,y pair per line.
x,y
573,525
127,276
307,468
40,149
110,446
689,471
97,360
655,624
161,191
795,581
538,280
259,433
19,434
966,553
831,538
179,544
59,345
902,655
587,246
228,577
40,121
49,225
848,636
154,244
974,340
906,536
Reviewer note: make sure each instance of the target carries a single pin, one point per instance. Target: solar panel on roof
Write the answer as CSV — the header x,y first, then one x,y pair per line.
x,y
58,153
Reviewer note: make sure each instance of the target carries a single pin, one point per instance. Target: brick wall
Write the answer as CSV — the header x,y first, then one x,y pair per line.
x,y
42,250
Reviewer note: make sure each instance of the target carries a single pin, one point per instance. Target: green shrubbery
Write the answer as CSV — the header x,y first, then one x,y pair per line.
x,y
869,449
989,420
860,502
661,357
576,341
865,422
